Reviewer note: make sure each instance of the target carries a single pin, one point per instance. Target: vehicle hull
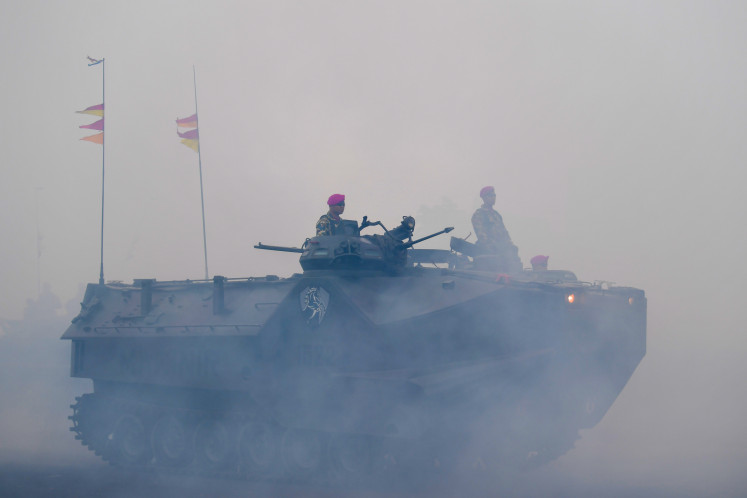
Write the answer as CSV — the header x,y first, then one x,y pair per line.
x,y
457,362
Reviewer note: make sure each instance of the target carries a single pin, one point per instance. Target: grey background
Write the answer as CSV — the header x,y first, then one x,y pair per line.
x,y
614,133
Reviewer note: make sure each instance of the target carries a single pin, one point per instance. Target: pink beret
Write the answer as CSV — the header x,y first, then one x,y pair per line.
x,y
335,199
539,260
486,190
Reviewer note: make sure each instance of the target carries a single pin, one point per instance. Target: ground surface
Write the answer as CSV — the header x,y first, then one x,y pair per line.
x,y
74,480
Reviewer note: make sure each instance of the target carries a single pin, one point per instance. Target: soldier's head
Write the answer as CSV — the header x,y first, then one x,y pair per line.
x,y
405,229
488,195
336,203
539,262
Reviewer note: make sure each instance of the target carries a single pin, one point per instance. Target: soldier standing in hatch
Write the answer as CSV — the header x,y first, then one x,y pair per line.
x,y
330,223
492,236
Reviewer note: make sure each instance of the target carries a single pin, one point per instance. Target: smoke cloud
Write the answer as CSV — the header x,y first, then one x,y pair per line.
x,y
613,134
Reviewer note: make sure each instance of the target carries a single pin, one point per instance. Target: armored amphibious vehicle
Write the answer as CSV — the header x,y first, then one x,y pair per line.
x,y
378,357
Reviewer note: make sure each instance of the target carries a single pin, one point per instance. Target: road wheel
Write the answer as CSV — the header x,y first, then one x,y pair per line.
x,y
172,442
303,452
259,449
214,445
350,457
128,441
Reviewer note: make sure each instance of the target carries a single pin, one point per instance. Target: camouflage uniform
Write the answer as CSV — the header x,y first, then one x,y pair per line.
x,y
327,225
493,238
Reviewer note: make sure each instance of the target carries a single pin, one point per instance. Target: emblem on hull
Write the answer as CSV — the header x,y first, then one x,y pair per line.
x,y
314,302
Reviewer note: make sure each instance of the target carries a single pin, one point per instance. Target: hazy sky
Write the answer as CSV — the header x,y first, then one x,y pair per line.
x,y
614,133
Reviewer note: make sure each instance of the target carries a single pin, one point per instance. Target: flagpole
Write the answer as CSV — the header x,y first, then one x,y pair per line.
x,y
199,159
103,141
38,242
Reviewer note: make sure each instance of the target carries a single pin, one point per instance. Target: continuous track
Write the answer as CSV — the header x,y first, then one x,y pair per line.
x,y
238,445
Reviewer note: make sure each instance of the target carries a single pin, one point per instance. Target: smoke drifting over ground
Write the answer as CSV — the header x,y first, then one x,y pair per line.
x,y
37,390
613,132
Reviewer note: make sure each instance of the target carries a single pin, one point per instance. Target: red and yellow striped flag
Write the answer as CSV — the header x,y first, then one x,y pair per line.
x,y
96,110
190,122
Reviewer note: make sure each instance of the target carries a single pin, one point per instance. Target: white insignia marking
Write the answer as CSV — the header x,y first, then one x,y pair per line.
x,y
314,301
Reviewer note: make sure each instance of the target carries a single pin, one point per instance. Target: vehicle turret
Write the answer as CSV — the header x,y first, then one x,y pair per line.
x,y
355,252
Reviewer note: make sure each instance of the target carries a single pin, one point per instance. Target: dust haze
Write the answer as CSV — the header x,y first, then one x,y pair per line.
x,y
613,133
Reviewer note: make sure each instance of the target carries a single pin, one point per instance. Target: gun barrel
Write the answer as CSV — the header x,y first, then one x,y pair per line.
x,y
278,248
445,230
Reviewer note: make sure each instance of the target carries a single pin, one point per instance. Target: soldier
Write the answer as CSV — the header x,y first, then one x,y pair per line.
x,y
492,236
330,223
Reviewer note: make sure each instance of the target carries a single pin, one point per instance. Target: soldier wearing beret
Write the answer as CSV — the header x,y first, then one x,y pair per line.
x,y
330,223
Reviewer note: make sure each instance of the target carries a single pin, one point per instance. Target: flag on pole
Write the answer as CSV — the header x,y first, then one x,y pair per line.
x,y
192,144
94,61
190,122
96,110
97,138
190,138
98,125
190,134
